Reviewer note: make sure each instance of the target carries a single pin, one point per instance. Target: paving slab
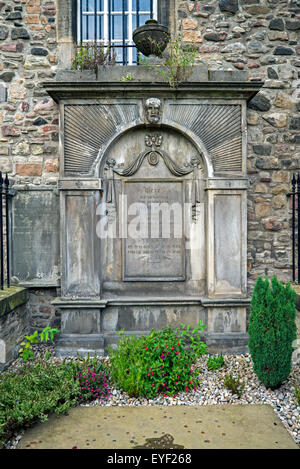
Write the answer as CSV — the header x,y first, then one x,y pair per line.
x,y
176,427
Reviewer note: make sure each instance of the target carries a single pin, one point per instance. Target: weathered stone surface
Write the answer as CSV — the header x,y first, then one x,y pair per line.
x,y
192,36
229,5
22,148
256,47
262,210
276,119
189,24
267,163
259,103
252,118
262,149
3,32
255,10
278,36
14,15
7,76
295,123
51,166
39,51
272,224
39,121
34,62
17,91
37,149
283,101
45,105
3,94
216,37
13,323
279,201
10,131
277,24
29,169
261,188
272,73
236,48
20,33
292,25
283,50
12,47
182,13
5,164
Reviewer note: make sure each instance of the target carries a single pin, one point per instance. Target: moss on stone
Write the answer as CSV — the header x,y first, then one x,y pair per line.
x,y
11,298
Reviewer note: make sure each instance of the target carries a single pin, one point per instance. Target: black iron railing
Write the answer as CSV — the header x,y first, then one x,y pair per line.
x,y
4,232
295,195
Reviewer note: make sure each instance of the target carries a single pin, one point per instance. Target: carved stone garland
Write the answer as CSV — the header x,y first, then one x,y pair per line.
x,y
153,153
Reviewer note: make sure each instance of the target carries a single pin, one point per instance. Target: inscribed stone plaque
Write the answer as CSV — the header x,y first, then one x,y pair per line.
x,y
153,218
35,226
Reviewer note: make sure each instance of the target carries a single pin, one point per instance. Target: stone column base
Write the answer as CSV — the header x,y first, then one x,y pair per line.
x,y
70,345
229,343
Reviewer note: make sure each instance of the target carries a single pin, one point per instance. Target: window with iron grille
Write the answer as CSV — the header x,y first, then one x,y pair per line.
x,y
112,22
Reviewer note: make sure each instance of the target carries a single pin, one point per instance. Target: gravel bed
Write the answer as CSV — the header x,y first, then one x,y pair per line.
x,y
210,392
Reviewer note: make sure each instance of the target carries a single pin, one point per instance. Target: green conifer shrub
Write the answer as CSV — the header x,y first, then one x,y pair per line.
x,y
272,330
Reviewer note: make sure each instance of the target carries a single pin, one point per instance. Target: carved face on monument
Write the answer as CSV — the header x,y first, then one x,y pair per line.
x,y
152,109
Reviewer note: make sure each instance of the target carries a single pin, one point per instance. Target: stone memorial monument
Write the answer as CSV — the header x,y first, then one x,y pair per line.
x,y
153,206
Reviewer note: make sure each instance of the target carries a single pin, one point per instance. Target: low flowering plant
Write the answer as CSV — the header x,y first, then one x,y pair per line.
x,y
162,362
93,385
93,377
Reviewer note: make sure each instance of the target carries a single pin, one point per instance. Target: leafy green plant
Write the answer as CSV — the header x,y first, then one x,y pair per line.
x,y
215,363
26,351
127,77
47,355
161,362
177,64
272,330
33,392
234,384
90,55
297,395
40,388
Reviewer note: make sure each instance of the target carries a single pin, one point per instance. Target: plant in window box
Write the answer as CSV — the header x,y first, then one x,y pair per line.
x,y
90,55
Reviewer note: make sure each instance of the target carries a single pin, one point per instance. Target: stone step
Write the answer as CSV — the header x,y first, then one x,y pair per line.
x,y
73,352
70,345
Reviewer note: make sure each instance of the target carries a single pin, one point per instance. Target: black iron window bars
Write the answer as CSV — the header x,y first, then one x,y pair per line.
x,y
4,231
295,194
112,22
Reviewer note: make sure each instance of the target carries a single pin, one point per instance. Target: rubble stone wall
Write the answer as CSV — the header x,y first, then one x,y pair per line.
x,y
260,36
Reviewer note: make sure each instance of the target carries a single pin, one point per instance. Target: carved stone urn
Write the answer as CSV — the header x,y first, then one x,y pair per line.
x,y
152,38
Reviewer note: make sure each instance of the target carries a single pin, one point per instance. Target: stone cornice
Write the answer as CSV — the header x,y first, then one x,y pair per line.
x,y
202,83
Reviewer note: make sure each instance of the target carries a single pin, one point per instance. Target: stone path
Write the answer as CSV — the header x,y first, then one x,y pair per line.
x,y
188,427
